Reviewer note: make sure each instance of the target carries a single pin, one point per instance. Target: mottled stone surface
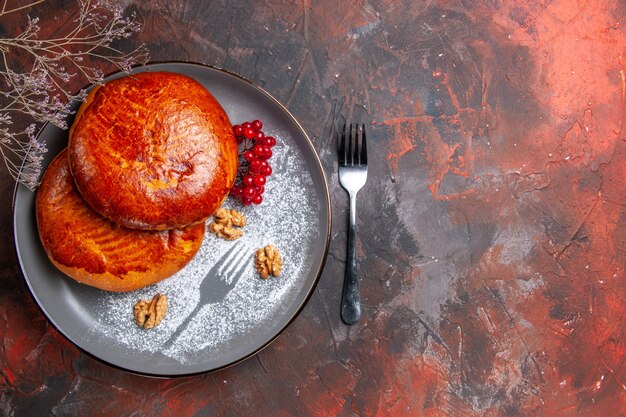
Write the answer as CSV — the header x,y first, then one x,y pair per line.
x,y
492,228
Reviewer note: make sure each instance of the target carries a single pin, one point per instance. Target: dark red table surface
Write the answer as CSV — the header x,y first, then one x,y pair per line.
x,y
492,228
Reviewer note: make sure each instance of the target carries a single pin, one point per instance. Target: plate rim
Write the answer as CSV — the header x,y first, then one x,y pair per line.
x,y
296,313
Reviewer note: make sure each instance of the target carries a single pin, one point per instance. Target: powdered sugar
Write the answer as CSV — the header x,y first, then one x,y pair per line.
x,y
287,219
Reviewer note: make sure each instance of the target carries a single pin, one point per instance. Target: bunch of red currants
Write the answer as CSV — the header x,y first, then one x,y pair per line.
x,y
255,150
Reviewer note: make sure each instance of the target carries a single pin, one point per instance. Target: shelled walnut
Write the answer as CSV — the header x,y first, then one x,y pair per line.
x,y
225,222
150,313
268,261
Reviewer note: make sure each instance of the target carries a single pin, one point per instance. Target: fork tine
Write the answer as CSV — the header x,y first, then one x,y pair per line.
x,y
363,160
342,147
240,267
234,259
227,255
350,162
357,155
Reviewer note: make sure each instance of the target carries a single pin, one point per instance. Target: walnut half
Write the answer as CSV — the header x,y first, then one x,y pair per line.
x,y
150,313
225,222
268,261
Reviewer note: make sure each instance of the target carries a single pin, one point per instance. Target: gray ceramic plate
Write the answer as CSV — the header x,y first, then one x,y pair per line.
x,y
295,217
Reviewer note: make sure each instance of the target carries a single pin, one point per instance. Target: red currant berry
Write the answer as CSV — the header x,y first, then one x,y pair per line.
x,y
248,133
259,137
257,125
248,192
267,154
248,155
238,130
257,199
259,189
259,150
237,191
255,165
270,141
247,180
267,171
247,125
259,180
246,201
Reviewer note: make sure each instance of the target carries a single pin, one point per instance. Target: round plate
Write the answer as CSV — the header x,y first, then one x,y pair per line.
x,y
248,312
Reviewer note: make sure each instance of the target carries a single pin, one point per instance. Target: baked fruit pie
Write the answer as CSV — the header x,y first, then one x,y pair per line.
x,y
98,252
153,151
151,156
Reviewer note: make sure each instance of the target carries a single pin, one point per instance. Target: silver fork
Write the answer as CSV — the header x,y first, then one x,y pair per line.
x,y
217,283
352,176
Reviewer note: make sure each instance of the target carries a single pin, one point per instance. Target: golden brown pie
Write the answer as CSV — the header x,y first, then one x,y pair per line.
x,y
153,151
98,252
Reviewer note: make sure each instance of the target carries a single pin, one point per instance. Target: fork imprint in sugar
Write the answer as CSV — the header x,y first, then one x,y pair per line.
x,y
231,265
218,282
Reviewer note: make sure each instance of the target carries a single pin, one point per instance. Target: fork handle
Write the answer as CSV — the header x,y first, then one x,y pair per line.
x,y
351,299
170,341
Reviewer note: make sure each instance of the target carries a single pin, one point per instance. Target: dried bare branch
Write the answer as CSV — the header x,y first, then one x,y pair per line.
x,y
41,89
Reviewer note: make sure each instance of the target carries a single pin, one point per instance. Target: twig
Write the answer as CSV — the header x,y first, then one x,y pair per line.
x,y
40,89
